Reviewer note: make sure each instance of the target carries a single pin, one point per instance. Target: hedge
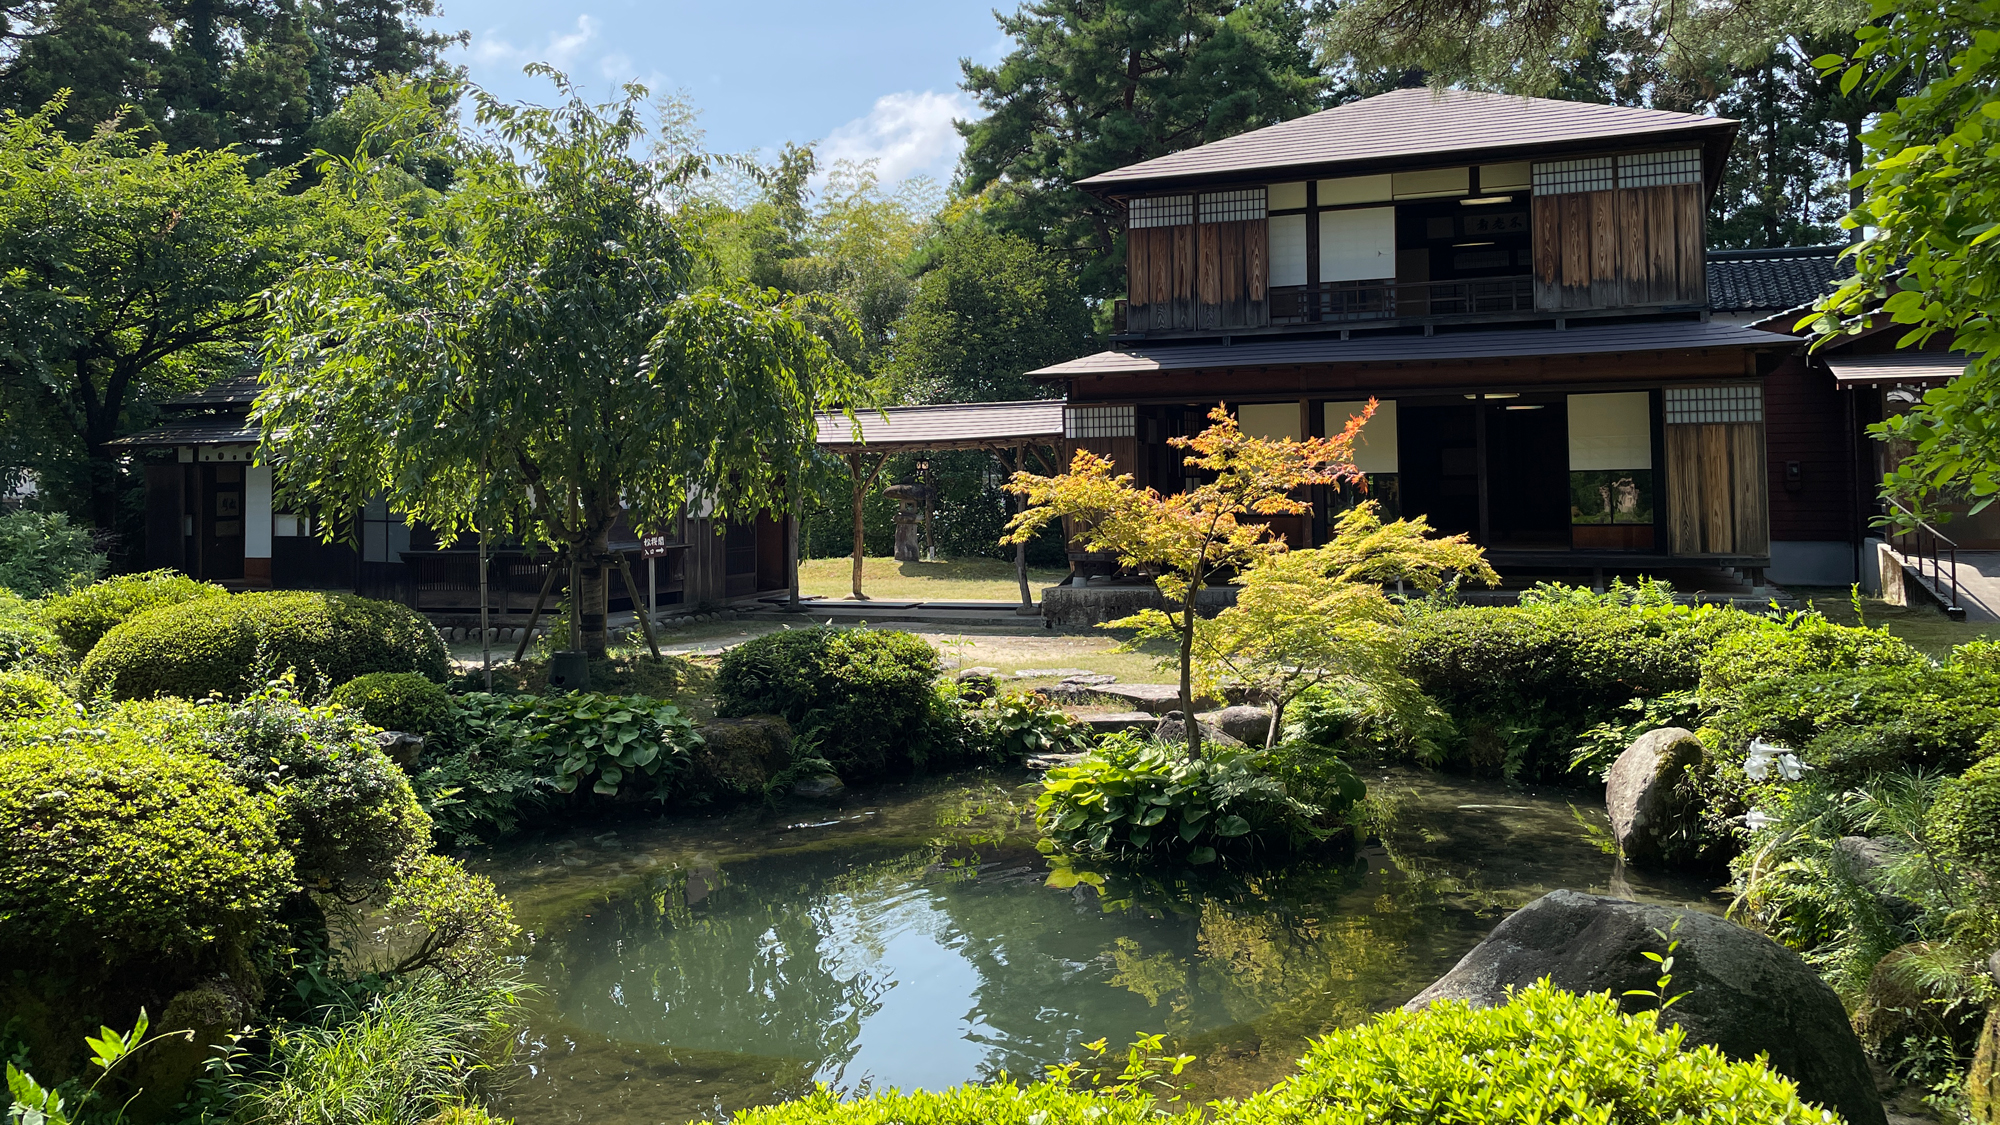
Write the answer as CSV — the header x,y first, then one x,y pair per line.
x,y
1964,821
1546,1056
867,695
26,695
118,853
1853,722
80,618
402,701
225,647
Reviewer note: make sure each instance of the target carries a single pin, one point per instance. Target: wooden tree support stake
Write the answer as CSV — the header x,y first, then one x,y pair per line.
x,y
645,625
535,616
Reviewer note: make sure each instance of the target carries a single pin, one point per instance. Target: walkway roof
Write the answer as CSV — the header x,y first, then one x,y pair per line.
x,y
1896,367
1389,347
966,425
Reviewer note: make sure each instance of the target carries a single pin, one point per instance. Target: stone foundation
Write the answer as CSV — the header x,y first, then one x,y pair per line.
x,y
1084,607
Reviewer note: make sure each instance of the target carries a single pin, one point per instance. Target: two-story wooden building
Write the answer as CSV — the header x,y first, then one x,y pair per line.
x,y
1521,284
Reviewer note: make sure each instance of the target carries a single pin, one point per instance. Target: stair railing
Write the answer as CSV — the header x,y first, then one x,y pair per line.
x,y
1915,539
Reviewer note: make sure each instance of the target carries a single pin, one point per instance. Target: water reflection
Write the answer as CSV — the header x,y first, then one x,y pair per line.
x,y
694,967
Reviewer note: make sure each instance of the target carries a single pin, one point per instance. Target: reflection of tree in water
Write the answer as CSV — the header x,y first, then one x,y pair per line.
x,y
743,969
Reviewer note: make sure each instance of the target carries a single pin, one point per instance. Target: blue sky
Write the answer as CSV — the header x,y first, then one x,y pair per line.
x,y
867,80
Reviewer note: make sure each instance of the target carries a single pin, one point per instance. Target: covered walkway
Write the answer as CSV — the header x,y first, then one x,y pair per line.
x,y
1013,432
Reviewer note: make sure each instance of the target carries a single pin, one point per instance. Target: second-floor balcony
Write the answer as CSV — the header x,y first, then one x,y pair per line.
x,y
1373,303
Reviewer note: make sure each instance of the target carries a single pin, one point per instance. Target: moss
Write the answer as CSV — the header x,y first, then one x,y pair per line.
x,y
402,701
80,618
225,647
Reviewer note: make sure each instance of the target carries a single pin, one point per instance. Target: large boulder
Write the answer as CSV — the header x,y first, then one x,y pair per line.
x,y
1902,1002
1982,1085
1244,723
1738,990
1173,731
1653,819
741,756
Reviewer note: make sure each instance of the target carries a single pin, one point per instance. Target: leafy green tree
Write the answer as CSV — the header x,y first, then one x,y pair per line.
x,y
529,354
1930,216
126,272
1093,85
992,308
209,73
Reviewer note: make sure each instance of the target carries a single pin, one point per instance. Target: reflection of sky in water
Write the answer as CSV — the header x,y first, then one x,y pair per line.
x,y
868,961
927,994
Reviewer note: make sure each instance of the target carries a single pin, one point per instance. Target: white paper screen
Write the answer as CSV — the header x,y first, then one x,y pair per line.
x,y
1272,420
1357,245
1288,250
1612,431
1375,450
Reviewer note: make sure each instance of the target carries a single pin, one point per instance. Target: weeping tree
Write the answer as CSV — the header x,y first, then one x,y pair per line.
x,y
532,354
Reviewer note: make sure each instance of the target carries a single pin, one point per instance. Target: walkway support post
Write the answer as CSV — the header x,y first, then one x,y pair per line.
x,y
861,485
1021,548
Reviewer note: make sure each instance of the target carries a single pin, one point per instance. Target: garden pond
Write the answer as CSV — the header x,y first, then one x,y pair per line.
x,y
913,936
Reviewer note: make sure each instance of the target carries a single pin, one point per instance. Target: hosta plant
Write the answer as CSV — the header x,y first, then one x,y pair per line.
x,y
607,740
1017,724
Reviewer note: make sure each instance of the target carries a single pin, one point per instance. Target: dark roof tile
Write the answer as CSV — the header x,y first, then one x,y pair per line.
x,y
1773,280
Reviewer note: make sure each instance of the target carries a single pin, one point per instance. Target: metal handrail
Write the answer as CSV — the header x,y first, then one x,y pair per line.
x,y
1928,540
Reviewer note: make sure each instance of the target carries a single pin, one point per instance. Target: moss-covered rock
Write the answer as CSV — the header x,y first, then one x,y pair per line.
x,y
740,756
227,646
1982,1084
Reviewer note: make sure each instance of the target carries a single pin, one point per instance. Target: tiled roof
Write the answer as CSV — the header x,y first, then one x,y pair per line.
x,y
1404,125
236,391
197,431
1897,367
1773,280
968,425
1380,347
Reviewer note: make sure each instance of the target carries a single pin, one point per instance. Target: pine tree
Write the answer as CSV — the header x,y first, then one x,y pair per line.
x,y
1098,84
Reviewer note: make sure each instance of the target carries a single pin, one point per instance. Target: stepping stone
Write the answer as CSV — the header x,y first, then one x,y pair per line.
x,y
1058,673
1088,679
1046,762
1157,698
1121,720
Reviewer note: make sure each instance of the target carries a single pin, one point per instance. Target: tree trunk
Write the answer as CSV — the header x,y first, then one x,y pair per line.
x,y
593,596
860,493
1188,720
1277,720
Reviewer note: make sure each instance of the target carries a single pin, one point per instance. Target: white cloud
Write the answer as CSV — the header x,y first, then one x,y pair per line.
x,y
907,134
559,50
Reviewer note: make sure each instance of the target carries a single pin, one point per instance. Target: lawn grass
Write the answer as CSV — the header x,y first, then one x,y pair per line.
x,y
1922,626
956,580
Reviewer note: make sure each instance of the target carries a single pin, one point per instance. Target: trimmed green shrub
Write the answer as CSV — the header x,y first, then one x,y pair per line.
x,y
1850,723
1802,643
43,553
225,647
1964,822
396,701
25,643
864,694
345,810
1521,684
26,695
119,853
1548,1056
81,617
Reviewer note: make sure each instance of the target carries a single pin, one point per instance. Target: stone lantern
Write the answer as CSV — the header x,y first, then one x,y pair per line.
x,y
912,501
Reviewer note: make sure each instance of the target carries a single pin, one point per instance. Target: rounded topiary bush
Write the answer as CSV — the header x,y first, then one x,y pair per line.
x,y
1964,821
395,701
225,646
24,695
81,617
121,854
866,695
1547,1055
345,810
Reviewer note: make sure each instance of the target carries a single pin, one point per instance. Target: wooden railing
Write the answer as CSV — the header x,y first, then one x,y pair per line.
x,y
1350,301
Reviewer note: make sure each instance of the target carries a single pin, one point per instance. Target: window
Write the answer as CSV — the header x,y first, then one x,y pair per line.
x,y
1098,422
1560,177
1287,197
1633,170
1232,206
1653,169
1697,405
1161,211
1375,448
1273,421
1288,250
1357,245
1611,431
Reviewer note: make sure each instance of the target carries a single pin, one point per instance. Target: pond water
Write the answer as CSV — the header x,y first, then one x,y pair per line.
x,y
913,937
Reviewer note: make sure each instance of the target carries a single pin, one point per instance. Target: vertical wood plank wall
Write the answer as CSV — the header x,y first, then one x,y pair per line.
x,y
1715,489
1207,275
1631,246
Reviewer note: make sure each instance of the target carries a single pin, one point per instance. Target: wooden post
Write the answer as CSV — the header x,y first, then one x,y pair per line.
x,y
632,589
535,616
861,484
792,523
1021,548
485,620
